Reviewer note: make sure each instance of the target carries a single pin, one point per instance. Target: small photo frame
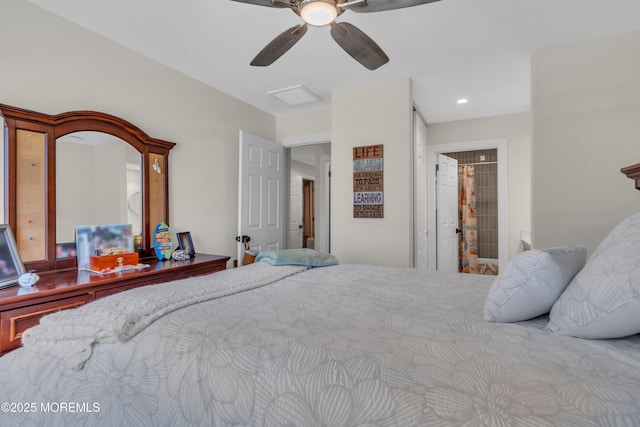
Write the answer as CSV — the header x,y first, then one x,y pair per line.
x,y
93,239
66,250
185,243
11,267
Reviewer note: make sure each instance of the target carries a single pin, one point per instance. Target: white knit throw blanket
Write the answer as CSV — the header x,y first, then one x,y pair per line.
x,y
70,334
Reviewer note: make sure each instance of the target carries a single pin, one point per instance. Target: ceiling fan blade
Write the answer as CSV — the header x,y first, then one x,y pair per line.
x,y
268,3
358,45
381,5
279,46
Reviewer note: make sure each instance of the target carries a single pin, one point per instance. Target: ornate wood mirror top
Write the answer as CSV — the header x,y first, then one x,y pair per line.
x,y
37,152
633,172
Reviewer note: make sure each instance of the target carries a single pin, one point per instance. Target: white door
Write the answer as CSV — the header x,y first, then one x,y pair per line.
x,y
323,195
295,212
420,168
447,213
260,198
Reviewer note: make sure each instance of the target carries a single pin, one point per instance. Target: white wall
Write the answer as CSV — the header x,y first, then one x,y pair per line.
x,y
311,125
586,126
76,206
378,114
52,66
303,169
110,183
516,129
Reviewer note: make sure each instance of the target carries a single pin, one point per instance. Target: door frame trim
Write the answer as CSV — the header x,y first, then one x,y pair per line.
x,y
503,190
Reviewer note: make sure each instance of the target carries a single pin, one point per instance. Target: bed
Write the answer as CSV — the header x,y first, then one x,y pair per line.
x,y
339,345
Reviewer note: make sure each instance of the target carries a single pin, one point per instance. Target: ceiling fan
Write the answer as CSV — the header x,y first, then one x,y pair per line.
x,y
319,13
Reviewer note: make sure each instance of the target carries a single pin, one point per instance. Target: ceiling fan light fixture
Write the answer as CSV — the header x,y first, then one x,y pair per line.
x,y
318,12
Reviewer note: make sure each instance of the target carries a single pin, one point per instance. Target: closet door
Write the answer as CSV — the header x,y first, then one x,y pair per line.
x,y
420,225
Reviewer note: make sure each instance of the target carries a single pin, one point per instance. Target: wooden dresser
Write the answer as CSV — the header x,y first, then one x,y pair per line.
x,y
21,308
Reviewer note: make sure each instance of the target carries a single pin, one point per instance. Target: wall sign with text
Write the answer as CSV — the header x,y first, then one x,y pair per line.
x,y
368,193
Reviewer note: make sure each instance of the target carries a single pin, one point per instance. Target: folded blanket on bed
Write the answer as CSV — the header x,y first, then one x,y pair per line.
x,y
306,257
70,334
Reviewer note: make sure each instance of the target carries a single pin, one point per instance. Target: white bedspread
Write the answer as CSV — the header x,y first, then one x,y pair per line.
x,y
70,334
348,345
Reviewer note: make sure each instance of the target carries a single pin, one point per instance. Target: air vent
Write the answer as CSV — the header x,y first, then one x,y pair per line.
x,y
295,95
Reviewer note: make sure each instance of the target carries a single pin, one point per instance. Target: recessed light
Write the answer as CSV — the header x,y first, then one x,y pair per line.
x,y
462,101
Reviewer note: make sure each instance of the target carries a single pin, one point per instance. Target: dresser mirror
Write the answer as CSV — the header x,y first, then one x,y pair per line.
x,y
98,181
79,168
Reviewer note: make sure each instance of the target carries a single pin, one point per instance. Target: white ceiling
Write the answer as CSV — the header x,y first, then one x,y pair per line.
x,y
477,49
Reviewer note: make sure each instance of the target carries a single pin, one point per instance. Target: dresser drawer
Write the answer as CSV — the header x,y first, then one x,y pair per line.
x,y
202,270
14,322
106,292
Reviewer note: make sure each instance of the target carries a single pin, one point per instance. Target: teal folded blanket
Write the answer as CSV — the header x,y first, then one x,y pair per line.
x,y
305,257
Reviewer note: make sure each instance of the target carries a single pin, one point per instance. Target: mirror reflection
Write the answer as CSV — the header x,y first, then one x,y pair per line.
x,y
98,181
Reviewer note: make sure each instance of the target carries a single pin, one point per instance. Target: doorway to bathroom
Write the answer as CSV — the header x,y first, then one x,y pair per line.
x,y
489,180
477,211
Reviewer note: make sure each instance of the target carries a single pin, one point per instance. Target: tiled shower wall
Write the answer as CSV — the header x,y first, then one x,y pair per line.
x,y
486,180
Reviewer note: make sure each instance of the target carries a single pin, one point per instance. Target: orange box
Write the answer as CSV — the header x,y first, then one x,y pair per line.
x,y
99,263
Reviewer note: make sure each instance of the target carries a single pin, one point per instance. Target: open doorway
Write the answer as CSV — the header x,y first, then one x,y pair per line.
x,y
477,211
309,191
500,145
308,213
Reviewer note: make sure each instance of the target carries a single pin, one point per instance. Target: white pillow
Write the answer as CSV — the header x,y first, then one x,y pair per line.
x,y
531,282
603,300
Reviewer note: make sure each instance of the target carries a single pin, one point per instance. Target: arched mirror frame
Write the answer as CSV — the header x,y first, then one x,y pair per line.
x,y
55,126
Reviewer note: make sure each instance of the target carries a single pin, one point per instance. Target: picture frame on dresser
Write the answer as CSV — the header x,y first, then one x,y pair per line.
x,y
11,267
94,239
185,243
